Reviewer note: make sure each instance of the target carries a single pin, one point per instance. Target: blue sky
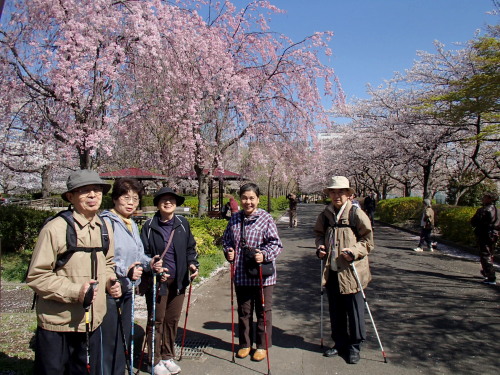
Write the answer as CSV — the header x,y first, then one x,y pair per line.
x,y
375,38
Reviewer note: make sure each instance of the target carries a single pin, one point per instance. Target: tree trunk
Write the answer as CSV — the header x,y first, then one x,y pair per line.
x,y
46,181
269,193
202,191
427,168
407,188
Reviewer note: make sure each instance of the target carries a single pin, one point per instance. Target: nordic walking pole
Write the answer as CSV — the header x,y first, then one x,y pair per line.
x,y
186,319
369,312
232,309
265,322
132,316
153,325
120,323
146,336
87,302
321,310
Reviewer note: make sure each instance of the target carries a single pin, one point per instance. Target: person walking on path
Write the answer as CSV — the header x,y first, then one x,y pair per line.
x,y
344,235
369,206
251,239
169,236
292,210
486,223
68,335
426,226
130,261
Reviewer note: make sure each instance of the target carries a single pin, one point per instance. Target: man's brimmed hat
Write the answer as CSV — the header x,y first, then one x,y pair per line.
x,y
84,177
179,200
339,182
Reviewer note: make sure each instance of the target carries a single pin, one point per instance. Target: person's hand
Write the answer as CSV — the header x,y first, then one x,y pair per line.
x,y
230,255
114,288
194,271
165,275
156,264
259,256
347,254
83,291
135,271
321,251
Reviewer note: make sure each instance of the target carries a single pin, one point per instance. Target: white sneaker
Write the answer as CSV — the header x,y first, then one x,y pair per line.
x,y
161,369
171,366
418,249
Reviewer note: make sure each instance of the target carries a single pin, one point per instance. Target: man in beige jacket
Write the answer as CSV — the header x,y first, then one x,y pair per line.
x,y
62,283
344,235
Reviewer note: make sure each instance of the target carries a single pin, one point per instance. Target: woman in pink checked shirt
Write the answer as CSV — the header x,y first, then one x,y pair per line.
x,y
261,236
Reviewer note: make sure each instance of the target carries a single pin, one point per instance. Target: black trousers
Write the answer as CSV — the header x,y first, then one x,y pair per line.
x,y
113,352
486,252
347,315
65,353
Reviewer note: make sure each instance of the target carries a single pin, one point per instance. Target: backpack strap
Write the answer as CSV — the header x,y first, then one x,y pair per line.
x,y
352,222
71,243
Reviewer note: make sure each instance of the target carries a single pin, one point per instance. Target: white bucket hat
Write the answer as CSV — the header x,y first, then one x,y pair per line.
x,y
339,182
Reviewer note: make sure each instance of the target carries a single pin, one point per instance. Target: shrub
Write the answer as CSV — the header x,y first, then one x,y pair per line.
x,y
19,227
398,210
208,234
454,223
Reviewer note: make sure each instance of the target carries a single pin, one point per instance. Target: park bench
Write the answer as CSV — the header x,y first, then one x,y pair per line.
x,y
184,211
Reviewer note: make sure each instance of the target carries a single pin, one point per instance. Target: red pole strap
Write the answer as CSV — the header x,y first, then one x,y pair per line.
x,y
265,320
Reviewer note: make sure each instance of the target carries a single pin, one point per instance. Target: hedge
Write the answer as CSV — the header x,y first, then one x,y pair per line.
x,y
19,228
453,221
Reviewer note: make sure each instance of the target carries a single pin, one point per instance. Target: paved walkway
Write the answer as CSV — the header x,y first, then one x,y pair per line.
x,y
432,314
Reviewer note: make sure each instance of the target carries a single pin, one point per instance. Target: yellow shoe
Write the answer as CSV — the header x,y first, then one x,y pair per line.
x,y
259,355
243,352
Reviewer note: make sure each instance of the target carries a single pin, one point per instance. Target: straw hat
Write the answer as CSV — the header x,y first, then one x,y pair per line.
x,y
339,182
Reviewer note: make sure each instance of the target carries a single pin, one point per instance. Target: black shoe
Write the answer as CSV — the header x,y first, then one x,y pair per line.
x,y
332,352
489,281
353,357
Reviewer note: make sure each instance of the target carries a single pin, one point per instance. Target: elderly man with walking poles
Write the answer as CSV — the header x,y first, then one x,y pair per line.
x,y
344,238
71,267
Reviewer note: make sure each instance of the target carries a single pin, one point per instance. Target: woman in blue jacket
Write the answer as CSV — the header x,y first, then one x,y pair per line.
x,y
130,262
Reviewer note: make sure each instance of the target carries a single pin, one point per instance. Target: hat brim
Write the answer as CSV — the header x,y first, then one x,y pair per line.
x,y
326,190
179,200
105,189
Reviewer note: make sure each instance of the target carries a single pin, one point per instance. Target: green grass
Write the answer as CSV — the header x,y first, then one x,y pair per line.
x,y
16,355
209,263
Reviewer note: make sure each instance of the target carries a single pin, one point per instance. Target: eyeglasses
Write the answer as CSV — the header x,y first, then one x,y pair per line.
x,y
338,192
86,190
126,198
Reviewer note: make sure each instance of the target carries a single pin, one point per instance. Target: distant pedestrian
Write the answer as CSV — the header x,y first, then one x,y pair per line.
x,y
230,208
426,226
369,206
344,235
486,223
354,201
292,210
250,241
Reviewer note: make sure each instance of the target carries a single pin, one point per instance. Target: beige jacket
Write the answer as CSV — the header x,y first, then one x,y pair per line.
x,y
57,307
345,238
